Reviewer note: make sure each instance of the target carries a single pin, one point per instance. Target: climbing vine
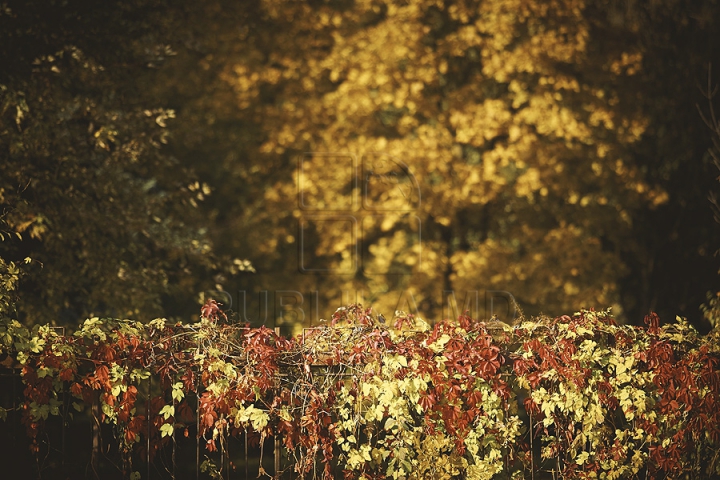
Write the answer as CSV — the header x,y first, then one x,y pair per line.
x,y
578,396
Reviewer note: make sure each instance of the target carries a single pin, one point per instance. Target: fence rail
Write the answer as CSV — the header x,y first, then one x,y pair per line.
x,y
86,448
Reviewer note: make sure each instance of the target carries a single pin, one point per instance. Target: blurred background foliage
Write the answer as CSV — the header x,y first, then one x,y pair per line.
x,y
383,151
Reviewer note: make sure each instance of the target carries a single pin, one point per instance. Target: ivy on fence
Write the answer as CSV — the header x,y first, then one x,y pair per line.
x,y
580,396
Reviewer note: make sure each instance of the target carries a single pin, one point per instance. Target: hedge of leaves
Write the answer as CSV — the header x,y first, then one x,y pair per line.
x,y
581,396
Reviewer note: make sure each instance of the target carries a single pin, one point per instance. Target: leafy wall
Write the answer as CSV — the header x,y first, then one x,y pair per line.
x,y
578,396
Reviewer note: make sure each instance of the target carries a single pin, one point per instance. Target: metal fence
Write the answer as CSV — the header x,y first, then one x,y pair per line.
x,y
77,445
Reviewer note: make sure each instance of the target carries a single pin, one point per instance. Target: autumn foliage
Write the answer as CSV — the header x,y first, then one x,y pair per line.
x,y
578,396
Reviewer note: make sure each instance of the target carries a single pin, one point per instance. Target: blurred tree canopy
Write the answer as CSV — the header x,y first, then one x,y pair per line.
x,y
401,149
106,215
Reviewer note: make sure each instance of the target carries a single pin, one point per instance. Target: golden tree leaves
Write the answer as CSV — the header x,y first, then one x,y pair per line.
x,y
517,120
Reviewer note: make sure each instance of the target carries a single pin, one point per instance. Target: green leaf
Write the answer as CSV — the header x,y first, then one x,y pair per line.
x,y
177,392
167,411
166,430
